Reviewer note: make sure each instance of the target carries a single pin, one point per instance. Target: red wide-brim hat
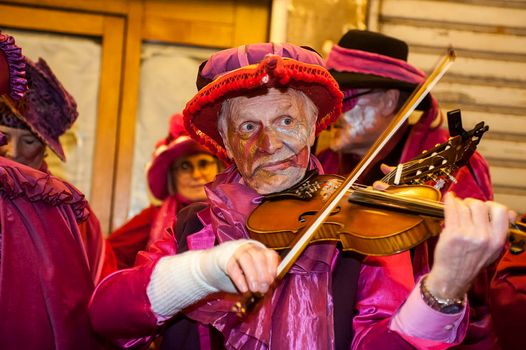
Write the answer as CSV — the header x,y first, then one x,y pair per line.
x,y
177,144
256,68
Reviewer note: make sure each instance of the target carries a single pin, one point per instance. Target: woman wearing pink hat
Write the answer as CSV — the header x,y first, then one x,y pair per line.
x,y
177,173
51,252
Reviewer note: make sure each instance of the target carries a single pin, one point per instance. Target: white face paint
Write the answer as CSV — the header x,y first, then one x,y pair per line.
x,y
358,128
269,138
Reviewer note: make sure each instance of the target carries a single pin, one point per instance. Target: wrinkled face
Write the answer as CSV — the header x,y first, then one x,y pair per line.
x,y
190,174
269,137
22,147
358,128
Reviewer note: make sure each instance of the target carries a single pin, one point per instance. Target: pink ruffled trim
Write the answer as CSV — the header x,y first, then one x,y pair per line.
x,y
17,66
17,181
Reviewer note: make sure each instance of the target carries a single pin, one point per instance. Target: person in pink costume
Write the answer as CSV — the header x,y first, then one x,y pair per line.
x,y
177,173
508,296
261,105
372,71
48,264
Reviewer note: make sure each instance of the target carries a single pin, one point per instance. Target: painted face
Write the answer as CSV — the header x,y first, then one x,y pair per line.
x,y
22,147
269,138
358,128
190,174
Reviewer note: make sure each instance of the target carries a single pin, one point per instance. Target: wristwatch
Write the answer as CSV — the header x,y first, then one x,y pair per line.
x,y
446,306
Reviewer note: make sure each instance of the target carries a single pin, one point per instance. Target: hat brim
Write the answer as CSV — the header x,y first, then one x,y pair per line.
x,y
53,144
350,80
200,114
158,169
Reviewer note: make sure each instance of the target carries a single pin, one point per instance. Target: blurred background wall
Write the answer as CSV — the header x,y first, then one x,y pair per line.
x,y
131,64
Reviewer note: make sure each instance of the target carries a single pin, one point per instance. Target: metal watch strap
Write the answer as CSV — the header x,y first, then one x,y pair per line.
x,y
447,306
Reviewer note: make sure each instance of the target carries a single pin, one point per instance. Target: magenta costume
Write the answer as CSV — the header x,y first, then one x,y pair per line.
x,y
357,68
383,285
508,300
47,267
144,229
50,243
299,314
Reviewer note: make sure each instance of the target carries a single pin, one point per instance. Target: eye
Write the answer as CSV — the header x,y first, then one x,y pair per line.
x,y
203,164
29,141
286,120
186,165
247,127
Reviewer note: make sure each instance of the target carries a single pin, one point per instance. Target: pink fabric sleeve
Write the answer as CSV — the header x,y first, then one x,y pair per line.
x,y
120,309
416,321
384,284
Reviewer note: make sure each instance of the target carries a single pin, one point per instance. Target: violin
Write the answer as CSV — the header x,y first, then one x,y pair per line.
x,y
330,199
438,164
359,225
368,221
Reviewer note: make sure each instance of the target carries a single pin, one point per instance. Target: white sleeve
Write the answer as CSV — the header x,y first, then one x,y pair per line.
x,y
178,281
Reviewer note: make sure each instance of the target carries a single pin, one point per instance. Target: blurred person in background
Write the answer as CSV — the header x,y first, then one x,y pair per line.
x,y
52,251
376,80
176,175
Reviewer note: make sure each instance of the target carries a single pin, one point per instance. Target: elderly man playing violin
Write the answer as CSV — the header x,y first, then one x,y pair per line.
x,y
261,106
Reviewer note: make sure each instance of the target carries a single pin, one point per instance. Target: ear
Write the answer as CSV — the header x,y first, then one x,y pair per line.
x,y
172,189
390,97
225,142
312,136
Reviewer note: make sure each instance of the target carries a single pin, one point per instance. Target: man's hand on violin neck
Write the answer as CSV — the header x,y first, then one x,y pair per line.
x,y
474,235
253,268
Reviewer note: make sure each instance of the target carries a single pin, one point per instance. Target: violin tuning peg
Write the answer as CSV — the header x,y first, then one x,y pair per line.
x,y
439,184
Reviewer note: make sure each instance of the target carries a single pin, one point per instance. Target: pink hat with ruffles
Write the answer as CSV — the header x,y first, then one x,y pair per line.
x,y
252,69
177,144
12,68
47,109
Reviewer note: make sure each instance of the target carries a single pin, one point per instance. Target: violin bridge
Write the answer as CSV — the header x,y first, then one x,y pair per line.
x,y
308,189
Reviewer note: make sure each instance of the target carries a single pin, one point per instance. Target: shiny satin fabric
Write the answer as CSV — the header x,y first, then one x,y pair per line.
x,y
46,278
144,229
508,300
299,314
475,183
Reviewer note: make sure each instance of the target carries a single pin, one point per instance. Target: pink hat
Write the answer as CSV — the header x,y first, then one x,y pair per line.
x,y
47,109
258,67
12,68
177,144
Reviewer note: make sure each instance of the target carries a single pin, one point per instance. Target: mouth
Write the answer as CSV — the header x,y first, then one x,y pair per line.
x,y
277,165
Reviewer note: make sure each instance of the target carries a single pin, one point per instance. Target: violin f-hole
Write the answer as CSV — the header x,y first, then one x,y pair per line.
x,y
304,216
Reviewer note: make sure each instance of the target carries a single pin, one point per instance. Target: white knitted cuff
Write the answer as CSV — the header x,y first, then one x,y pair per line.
x,y
174,285
178,281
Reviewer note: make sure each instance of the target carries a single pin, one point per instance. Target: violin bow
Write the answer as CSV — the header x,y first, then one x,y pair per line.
x,y
307,232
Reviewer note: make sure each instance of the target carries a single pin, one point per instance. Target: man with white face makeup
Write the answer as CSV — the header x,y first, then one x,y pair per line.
x,y
372,71
262,105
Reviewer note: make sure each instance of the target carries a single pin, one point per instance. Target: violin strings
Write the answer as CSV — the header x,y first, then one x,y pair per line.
x,y
367,196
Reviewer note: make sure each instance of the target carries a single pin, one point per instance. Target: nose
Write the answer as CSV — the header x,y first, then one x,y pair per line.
x,y
11,150
269,141
197,173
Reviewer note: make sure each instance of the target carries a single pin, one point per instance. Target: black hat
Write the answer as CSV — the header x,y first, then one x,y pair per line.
x,y
379,44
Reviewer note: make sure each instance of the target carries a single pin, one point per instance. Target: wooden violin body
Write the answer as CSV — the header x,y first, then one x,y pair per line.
x,y
365,229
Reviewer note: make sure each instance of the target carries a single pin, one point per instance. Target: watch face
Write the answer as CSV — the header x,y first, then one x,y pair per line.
x,y
452,309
